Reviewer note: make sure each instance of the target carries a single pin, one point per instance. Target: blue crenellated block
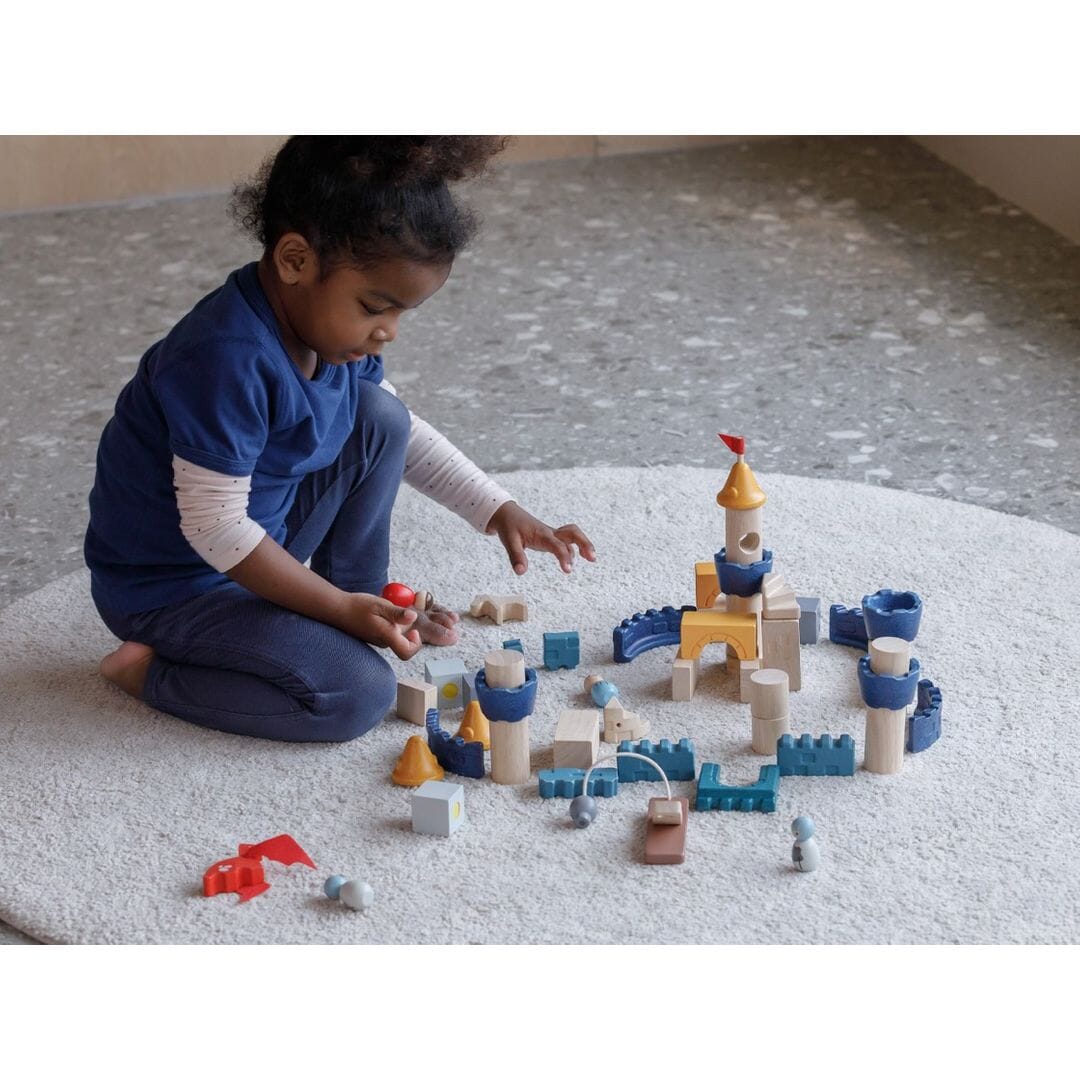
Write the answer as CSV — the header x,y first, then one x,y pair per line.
x,y
738,579
924,725
647,630
506,703
562,650
712,795
892,613
514,643
452,752
847,626
566,783
887,691
823,756
676,759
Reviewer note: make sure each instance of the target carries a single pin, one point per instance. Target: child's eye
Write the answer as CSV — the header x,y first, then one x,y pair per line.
x,y
370,310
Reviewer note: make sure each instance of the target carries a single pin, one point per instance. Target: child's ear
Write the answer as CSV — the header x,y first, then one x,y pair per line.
x,y
293,258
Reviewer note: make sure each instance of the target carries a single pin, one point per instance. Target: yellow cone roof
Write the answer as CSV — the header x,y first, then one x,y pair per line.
x,y
742,491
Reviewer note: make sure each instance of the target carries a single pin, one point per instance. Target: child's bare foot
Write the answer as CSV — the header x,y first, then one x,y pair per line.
x,y
127,666
437,625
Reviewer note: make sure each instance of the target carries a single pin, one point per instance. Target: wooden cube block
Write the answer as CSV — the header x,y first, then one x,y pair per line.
x,y
780,649
577,738
414,698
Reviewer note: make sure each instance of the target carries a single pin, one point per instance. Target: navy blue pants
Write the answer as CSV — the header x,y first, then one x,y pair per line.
x,y
232,661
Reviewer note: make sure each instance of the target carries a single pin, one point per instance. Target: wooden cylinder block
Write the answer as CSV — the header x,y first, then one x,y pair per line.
x,y
764,733
504,668
510,751
890,656
885,733
742,536
769,695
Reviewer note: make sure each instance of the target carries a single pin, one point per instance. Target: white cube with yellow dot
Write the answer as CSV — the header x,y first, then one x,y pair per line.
x,y
438,808
448,677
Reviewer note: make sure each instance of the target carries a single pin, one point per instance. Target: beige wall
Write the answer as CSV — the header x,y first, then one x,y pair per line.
x,y
39,171
1040,173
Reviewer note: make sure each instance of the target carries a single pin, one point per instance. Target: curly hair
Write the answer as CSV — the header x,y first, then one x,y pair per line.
x,y
361,199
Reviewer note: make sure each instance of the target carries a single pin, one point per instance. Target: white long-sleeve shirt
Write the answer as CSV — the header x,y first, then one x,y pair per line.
x,y
213,505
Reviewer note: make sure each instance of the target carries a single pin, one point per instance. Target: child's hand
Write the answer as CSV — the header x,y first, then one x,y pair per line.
x,y
378,622
518,530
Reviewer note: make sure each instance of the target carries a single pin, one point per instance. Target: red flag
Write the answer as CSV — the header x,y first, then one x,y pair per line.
x,y
735,443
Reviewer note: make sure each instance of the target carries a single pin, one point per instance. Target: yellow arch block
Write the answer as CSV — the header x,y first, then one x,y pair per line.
x,y
737,629
706,584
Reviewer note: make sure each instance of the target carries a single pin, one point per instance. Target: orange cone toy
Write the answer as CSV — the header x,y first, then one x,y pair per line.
x,y
416,764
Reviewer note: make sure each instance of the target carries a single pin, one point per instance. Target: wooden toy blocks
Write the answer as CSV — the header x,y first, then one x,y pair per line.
x,y
448,676
577,738
414,698
665,831
620,724
562,650
499,609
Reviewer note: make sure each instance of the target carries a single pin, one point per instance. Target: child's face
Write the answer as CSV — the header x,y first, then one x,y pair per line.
x,y
353,312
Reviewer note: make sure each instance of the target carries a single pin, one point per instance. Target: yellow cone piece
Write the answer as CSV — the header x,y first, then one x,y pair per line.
x,y
742,491
416,764
474,725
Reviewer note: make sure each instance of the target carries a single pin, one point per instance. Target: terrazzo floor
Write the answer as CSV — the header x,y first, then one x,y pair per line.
x,y
855,307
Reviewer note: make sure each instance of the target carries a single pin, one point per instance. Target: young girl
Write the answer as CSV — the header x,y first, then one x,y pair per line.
x,y
260,433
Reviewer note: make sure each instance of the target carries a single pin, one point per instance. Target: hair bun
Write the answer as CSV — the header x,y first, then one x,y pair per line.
x,y
402,160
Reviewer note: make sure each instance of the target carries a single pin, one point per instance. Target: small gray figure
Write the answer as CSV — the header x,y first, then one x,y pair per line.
x,y
804,852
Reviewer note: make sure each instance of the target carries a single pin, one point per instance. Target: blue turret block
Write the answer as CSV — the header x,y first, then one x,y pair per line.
x,y
506,703
809,619
847,626
712,795
737,579
452,752
514,643
890,613
924,725
562,650
823,756
676,759
566,783
887,691
647,630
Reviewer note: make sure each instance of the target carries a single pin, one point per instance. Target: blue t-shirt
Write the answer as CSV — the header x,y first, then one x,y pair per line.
x,y
222,391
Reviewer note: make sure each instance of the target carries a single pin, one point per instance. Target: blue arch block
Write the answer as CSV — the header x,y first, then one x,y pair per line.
x,y
737,579
647,630
712,795
887,691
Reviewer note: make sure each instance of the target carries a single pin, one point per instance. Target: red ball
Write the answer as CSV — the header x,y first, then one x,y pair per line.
x,y
399,594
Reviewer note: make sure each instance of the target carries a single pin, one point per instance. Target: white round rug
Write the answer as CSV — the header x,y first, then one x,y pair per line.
x,y
110,812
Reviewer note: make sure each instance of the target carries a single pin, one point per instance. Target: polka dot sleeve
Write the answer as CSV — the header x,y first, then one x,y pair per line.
x,y
438,469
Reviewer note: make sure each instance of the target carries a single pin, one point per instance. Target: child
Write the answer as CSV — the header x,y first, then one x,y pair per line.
x,y
260,433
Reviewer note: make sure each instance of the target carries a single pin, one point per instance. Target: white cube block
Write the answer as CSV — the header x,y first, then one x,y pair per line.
x,y
438,808
577,738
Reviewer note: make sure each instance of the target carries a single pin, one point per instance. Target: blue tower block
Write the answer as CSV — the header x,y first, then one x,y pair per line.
x,y
509,703
924,725
887,691
677,760
452,752
823,756
647,630
566,783
712,795
737,579
891,613
847,626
